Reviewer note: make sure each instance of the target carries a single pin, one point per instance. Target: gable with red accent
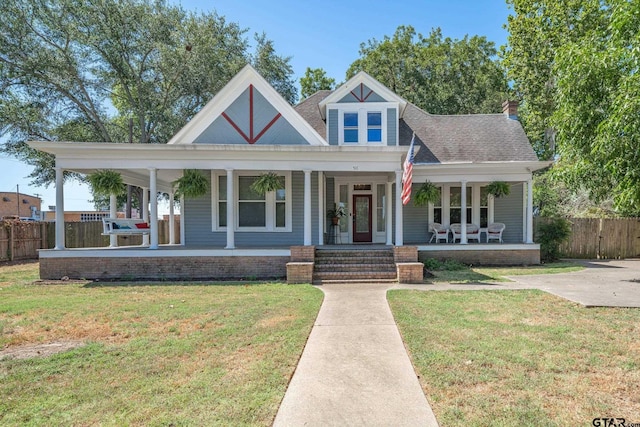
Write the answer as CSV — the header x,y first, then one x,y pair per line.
x,y
251,119
362,93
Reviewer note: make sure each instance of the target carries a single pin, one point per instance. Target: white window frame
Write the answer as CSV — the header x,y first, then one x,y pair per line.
x,y
362,109
270,204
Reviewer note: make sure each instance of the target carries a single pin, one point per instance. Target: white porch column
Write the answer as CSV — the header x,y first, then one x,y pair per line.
x,y
490,200
463,213
113,213
153,220
145,213
59,209
321,209
172,225
389,213
182,232
231,207
307,207
529,211
399,233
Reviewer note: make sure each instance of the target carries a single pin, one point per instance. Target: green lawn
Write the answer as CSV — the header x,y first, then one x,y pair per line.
x,y
167,354
515,358
454,272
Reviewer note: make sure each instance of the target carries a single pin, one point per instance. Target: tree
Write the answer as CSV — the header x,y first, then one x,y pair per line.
x,y
597,116
275,69
575,66
314,80
440,75
537,31
79,71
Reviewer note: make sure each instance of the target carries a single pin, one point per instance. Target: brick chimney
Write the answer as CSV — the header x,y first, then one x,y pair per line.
x,y
510,109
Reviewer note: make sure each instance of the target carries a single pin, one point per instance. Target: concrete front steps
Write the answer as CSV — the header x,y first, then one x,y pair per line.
x,y
354,265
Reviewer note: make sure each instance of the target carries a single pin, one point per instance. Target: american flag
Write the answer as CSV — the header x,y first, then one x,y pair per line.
x,y
407,175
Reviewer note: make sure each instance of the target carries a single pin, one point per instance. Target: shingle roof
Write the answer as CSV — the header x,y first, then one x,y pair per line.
x,y
309,111
446,139
465,138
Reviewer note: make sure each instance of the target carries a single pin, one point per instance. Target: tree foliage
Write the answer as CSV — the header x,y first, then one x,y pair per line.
x,y
80,71
575,64
598,109
440,75
537,31
315,79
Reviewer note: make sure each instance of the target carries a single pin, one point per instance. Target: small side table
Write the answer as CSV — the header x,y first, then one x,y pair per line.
x,y
484,230
335,236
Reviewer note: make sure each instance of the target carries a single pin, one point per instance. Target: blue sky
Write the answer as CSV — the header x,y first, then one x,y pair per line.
x,y
315,34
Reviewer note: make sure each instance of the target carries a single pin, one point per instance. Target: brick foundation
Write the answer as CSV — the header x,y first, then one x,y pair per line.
x,y
486,257
165,268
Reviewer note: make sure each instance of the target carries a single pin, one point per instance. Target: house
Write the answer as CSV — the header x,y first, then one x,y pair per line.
x,y
342,148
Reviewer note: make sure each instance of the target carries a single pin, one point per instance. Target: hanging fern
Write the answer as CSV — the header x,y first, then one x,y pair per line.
x,y
192,184
267,182
427,193
106,183
499,188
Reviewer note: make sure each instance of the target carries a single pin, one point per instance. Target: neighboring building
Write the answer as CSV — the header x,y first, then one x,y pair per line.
x,y
83,216
20,205
341,148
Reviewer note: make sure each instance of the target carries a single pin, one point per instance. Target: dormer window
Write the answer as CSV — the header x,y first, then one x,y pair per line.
x,y
350,133
363,123
374,126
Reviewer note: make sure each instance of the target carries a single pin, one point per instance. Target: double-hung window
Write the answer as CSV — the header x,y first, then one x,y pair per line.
x,y
455,205
374,126
254,211
350,128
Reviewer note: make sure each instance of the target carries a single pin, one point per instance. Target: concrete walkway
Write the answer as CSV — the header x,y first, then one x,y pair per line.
x,y
603,283
354,369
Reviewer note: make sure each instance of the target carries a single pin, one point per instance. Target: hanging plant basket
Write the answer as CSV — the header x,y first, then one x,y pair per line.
x,y
192,184
267,182
499,189
106,183
427,193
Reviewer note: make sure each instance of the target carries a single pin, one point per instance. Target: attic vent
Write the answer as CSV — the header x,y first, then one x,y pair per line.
x,y
6,199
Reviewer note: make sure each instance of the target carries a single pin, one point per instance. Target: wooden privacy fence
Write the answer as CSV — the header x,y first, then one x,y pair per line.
x,y
593,238
21,240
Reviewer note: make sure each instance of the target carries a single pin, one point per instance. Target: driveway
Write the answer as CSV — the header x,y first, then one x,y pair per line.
x,y
603,283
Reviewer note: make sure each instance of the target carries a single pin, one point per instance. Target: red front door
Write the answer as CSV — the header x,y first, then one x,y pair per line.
x,y
362,231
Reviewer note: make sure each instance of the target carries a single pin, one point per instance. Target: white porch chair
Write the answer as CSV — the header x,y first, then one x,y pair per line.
x,y
438,232
494,231
473,232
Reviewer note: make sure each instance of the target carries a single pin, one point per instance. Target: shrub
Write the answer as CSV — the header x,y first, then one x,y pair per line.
x,y
551,233
433,264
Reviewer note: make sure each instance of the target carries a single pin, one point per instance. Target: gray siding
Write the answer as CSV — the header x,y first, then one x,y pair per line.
x,y
332,119
222,132
415,221
509,211
392,126
198,221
